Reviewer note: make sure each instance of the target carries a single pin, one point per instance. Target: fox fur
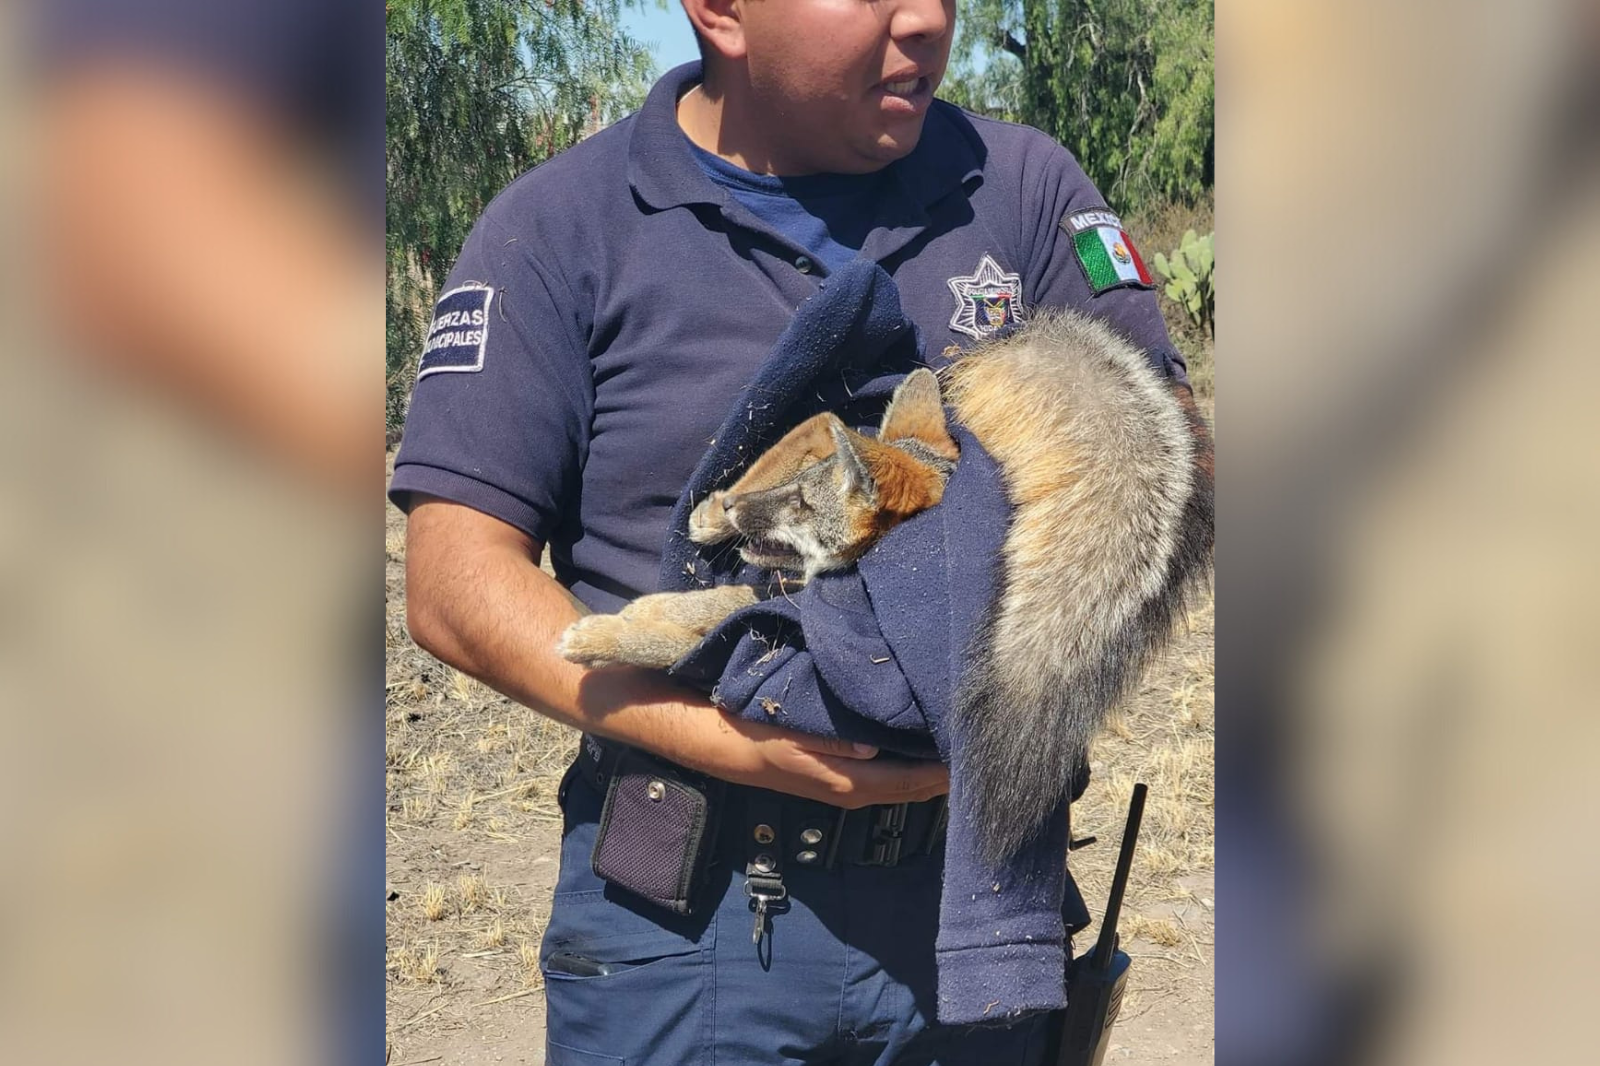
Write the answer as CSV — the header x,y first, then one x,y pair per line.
x,y
1109,472
815,501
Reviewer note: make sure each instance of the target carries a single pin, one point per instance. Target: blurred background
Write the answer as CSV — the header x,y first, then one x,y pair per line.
x,y
189,643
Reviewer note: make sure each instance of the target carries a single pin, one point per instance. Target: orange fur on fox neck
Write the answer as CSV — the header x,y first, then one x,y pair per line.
x,y
904,485
927,427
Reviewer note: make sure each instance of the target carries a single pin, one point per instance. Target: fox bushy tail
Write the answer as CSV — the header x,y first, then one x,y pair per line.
x,y
1109,472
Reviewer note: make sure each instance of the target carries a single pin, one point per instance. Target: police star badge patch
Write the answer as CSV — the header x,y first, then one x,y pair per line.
x,y
1105,252
988,299
459,332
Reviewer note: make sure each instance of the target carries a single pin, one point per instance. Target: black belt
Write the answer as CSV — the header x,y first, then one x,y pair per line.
x,y
789,830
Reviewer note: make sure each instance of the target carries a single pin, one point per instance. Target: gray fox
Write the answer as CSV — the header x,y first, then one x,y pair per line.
x,y
815,501
1109,473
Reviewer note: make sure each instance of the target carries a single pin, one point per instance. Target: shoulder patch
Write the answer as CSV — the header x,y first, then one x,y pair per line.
x,y
1105,252
988,299
459,333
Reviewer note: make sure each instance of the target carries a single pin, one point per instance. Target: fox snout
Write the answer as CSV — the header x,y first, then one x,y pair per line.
x,y
724,515
708,522
730,503
750,512
765,513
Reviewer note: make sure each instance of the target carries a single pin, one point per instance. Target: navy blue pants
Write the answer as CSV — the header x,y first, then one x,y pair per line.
x,y
844,975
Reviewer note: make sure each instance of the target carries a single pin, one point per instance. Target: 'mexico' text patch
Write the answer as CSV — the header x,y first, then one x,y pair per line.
x,y
459,332
1105,251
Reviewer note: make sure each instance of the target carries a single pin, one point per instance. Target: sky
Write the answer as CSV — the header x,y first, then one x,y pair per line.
x,y
666,30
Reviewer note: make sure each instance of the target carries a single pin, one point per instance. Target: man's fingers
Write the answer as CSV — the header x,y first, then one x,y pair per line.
x,y
890,781
920,781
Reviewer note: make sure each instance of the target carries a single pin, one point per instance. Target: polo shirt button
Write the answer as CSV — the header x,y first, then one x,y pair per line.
x,y
803,265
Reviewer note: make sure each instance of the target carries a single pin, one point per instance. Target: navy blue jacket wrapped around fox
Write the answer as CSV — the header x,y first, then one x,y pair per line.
x,y
876,652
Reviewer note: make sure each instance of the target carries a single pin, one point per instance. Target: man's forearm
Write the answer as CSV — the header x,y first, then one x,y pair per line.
x,y
488,610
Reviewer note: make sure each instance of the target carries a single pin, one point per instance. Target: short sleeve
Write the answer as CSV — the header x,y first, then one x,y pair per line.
x,y
1077,261
500,414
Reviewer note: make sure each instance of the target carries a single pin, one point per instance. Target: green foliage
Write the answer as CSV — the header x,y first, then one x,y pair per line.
x,y
1191,279
984,75
1125,84
478,92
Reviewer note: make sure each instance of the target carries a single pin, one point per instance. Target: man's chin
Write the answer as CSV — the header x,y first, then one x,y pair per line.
x,y
899,141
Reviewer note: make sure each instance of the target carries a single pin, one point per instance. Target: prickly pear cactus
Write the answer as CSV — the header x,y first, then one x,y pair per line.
x,y
1191,279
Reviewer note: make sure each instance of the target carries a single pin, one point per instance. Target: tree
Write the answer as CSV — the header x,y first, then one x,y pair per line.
x,y
1125,84
478,92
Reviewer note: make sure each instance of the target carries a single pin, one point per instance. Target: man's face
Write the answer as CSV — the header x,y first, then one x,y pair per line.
x,y
847,83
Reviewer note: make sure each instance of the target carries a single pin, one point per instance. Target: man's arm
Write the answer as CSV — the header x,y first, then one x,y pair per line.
x,y
477,600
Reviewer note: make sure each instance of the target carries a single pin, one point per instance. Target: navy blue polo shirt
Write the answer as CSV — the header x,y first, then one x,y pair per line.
x,y
611,303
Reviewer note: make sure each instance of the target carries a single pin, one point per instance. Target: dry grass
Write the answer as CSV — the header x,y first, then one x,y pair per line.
x,y
1165,737
494,936
435,904
471,783
472,894
1155,930
528,954
413,964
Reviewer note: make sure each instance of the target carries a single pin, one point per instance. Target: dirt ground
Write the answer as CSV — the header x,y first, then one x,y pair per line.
x,y
473,834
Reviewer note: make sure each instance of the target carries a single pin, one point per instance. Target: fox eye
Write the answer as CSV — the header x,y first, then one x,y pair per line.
x,y
800,498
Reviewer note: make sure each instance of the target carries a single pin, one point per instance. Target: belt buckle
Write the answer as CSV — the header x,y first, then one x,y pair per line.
x,y
886,835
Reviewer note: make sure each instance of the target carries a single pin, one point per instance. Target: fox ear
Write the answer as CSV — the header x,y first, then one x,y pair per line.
x,y
917,412
857,478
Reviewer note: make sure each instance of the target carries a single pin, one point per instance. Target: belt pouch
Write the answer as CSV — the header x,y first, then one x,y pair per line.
x,y
656,830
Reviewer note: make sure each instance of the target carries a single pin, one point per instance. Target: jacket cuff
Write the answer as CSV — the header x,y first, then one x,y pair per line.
x,y
999,983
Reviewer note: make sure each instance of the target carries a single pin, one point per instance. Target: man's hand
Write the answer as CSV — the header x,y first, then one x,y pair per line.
x,y
477,600
835,771
701,737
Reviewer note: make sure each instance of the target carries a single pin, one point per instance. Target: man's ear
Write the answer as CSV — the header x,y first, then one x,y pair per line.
x,y
917,411
719,25
848,451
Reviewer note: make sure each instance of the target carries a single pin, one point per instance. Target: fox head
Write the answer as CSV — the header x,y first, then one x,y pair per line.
x,y
824,494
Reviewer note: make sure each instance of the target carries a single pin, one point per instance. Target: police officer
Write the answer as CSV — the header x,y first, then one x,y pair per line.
x,y
602,317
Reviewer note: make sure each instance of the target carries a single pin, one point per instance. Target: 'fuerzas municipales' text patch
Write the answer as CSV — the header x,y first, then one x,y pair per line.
x,y
1105,251
459,332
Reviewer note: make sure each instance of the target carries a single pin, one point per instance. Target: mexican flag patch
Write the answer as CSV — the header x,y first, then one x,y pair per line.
x,y
1105,251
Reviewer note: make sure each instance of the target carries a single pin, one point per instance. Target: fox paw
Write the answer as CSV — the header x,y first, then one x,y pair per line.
x,y
594,641
708,523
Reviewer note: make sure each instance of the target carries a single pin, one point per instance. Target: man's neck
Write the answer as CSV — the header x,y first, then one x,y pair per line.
x,y
727,124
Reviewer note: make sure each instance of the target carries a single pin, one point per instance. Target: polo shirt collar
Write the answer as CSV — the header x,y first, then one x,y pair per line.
x,y
663,172
661,166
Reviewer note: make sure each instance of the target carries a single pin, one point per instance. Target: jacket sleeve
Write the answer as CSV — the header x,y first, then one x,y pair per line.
x,y
1055,191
